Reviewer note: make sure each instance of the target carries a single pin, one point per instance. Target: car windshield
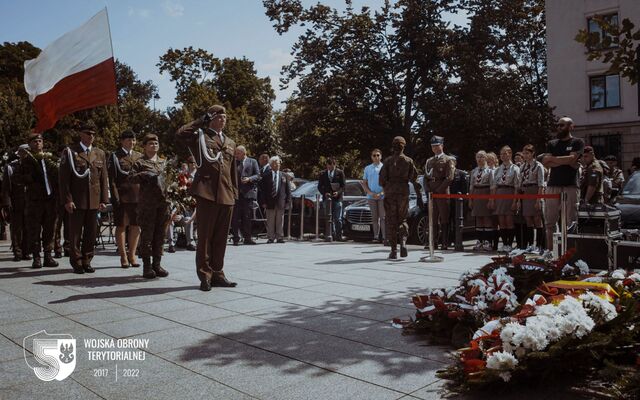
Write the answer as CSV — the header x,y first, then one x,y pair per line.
x,y
633,185
353,188
308,189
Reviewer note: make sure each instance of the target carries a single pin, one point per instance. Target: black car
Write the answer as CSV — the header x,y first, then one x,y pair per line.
x,y
628,202
358,222
353,192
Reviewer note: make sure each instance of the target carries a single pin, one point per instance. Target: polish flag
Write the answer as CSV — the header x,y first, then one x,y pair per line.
x,y
73,73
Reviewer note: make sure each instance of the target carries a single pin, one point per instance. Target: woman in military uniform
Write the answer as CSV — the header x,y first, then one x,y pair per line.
x,y
505,181
153,206
480,183
532,182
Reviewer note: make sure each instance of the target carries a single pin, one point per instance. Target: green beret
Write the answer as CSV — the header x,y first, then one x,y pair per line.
x,y
148,137
399,139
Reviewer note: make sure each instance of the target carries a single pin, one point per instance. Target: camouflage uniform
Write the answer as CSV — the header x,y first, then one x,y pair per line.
x,y
39,174
593,176
14,194
396,173
153,209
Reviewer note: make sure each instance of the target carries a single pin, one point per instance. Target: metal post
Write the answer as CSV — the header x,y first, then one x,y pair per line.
x,y
329,230
290,214
460,224
563,222
302,199
317,216
431,258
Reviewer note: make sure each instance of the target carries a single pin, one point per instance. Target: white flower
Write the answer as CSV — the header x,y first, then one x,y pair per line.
x,y
567,269
506,376
582,266
618,274
634,277
599,308
502,361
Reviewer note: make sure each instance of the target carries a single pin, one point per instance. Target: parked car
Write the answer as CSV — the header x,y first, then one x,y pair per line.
x,y
353,192
628,202
358,222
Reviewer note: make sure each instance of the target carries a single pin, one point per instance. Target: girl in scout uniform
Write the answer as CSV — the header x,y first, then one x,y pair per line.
x,y
480,183
505,181
532,182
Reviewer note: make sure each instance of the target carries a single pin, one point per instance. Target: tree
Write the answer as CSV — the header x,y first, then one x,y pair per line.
x,y
617,45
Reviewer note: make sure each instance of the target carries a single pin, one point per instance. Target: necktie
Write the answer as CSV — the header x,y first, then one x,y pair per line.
x,y
479,175
274,186
504,173
46,179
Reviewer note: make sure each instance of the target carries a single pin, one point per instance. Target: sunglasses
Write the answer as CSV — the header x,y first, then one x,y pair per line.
x,y
377,155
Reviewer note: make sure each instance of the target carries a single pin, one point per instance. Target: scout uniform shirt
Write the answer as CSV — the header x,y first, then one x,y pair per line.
x,y
480,178
532,174
508,176
123,190
439,172
593,174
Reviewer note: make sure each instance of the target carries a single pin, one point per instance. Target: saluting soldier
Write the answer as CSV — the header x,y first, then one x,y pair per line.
x,y
591,186
84,189
396,173
439,173
215,187
13,204
154,212
124,198
39,174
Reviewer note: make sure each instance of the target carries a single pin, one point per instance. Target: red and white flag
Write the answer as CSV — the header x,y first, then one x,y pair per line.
x,y
73,73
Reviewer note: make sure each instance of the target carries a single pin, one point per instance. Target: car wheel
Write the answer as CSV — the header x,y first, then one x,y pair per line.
x,y
422,230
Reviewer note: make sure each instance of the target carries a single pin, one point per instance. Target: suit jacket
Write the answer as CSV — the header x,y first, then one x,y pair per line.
x,y
215,181
283,196
248,169
324,184
86,193
123,190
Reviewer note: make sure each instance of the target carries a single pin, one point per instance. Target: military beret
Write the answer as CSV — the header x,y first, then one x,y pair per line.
x,y
148,137
436,140
215,110
88,127
399,139
611,157
588,149
128,134
34,136
22,147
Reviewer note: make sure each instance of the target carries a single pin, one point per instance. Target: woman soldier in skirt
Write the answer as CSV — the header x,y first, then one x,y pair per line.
x,y
480,183
532,182
505,181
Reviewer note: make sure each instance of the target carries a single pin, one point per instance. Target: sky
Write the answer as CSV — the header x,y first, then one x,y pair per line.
x,y
143,30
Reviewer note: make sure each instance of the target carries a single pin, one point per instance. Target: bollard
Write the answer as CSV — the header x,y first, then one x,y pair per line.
x,y
460,219
289,215
431,258
328,236
317,216
302,199
563,223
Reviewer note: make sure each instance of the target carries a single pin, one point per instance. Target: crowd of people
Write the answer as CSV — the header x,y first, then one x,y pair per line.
x,y
219,189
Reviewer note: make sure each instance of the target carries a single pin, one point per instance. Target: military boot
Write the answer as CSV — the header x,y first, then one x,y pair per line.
x,y
403,247
49,262
37,263
393,255
159,271
147,269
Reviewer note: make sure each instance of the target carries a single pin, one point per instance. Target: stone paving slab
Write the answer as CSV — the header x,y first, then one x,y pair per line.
x,y
309,320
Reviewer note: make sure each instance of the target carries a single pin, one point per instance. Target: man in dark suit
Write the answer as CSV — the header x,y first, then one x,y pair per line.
x,y
331,187
84,189
248,177
276,197
215,187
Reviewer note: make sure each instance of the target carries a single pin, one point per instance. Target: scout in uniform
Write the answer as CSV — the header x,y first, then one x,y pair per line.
x,y
215,187
396,173
480,183
84,189
532,182
153,206
124,197
439,173
13,204
505,181
591,186
39,174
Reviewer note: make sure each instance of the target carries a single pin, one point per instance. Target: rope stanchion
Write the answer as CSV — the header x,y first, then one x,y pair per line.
x,y
496,196
302,199
317,216
563,222
431,258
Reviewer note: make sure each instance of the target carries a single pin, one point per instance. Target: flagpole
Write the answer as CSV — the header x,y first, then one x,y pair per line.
x,y
106,11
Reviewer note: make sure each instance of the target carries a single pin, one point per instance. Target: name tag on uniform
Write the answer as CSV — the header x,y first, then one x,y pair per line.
x,y
569,148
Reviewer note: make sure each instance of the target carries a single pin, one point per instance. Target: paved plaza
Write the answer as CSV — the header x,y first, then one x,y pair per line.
x,y
307,321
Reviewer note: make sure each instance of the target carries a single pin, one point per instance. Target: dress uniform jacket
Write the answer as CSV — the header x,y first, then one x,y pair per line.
x,y
86,193
440,171
123,190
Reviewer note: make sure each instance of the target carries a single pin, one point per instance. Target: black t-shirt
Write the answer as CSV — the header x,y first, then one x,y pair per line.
x,y
564,175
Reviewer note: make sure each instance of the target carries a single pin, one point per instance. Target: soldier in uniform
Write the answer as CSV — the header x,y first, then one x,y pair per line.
x,y
14,202
39,174
124,198
396,173
439,173
84,189
153,206
215,188
591,191
616,176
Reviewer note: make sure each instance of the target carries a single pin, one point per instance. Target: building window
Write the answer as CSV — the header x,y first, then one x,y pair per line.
x,y
604,145
604,91
594,27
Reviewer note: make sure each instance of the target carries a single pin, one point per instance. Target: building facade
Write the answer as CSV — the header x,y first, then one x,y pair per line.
x,y
603,106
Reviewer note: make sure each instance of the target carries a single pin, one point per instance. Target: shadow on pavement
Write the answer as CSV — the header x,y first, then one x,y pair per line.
x,y
123,294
